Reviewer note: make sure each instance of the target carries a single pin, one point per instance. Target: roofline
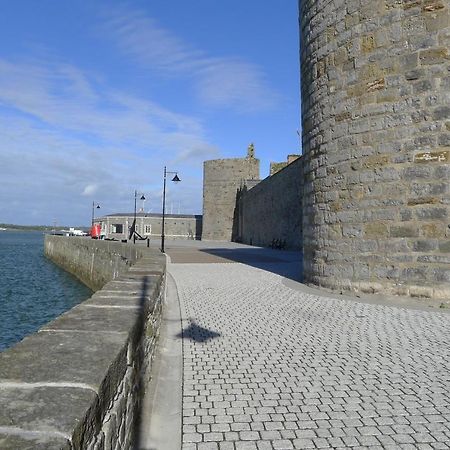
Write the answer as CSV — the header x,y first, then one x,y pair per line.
x,y
156,215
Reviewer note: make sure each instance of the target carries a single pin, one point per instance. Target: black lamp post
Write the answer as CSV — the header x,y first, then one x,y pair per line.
x,y
93,209
134,224
175,179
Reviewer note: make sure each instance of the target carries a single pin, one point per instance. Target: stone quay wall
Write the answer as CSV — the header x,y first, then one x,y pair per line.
x,y
270,213
376,143
221,180
76,384
91,262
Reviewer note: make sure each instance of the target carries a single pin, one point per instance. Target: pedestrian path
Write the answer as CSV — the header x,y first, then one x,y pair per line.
x,y
269,365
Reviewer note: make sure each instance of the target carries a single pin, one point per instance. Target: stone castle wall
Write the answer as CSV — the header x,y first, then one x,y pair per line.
x,y
376,143
221,180
270,213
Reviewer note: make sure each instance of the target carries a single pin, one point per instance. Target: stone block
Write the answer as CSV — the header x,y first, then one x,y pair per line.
x,y
428,245
422,86
437,21
403,231
51,410
431,213
441,113
415,273
33,442
444,141
351,231
421,291
433,230
440,274
376,230
405,215
434,56
434,259
63,357
444,246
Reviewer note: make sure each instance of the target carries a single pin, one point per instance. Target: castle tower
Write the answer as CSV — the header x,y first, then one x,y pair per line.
x,y
221,180
376,144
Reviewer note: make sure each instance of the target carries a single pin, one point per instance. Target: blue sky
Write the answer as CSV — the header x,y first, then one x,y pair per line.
x,y
96,97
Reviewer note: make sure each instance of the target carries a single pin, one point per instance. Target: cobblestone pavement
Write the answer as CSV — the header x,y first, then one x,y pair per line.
x,y
269,367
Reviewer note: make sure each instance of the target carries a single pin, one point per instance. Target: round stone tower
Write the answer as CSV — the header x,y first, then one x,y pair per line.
x,y
376,144
222,179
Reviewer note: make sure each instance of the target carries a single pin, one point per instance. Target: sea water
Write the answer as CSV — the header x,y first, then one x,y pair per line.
x,y
33,290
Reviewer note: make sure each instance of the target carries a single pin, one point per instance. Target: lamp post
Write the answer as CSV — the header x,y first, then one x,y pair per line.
x,y
175,179
134,223
93,209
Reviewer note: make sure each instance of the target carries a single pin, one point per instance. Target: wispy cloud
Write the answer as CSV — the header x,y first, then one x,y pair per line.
x,y
64,138
219,81
64,97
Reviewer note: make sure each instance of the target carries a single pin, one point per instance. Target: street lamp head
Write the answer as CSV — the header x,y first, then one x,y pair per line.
x,y
176,179
142,197
98,206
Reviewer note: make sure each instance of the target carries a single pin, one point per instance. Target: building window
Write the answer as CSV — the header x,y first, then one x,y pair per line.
x,y
117,228
148,229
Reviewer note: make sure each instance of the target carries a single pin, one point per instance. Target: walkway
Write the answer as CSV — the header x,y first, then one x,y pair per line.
x,y
269,364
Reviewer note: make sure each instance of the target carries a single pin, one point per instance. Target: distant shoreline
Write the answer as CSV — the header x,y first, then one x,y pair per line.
x,y
12,227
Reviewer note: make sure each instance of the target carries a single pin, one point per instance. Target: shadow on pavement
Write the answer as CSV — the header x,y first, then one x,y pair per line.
x,y
287,264
140,327
197,333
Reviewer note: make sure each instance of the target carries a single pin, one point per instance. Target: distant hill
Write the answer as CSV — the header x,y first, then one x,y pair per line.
x,y
11,226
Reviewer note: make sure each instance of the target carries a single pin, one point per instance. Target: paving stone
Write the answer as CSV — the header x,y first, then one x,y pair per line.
x,y
192,437
264,445
303,443
267,362
207,446
282,445
226,446
212,437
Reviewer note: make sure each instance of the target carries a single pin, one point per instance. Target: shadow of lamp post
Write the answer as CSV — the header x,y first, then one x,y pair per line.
x,y
175,179
134,222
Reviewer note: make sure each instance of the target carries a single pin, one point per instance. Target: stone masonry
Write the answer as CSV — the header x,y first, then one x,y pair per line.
x,y
221,180
376,143
270,213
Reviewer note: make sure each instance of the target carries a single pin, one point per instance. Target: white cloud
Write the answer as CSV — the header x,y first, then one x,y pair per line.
x,y
219,81
64,97
65,138
90,190
234,83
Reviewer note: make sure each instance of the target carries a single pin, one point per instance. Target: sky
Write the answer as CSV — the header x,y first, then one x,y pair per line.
x,y
97,97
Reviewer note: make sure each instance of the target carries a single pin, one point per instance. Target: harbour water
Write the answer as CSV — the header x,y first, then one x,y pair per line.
x,y
33,290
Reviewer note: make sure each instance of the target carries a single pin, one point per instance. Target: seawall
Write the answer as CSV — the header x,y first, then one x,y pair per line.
x,y
93,262
76,383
